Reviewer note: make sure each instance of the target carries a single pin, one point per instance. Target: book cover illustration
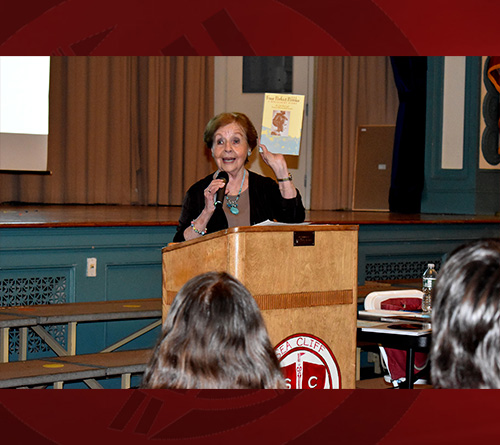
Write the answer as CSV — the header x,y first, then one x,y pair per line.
x,y
282,123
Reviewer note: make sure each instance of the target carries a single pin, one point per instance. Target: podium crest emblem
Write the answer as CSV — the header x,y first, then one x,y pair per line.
x,y
308,363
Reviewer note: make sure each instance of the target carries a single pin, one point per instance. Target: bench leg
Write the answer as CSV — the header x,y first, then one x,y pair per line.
x,y
132,336
93,384
126,380
23,344
51,342
4,345
72,338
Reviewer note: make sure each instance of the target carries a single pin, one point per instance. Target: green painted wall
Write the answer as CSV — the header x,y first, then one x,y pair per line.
x,y
466,191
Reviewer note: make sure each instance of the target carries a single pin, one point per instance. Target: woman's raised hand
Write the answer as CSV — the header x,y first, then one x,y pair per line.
x,y
275,160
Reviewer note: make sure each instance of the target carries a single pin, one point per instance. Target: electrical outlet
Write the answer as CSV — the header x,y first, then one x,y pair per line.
x,y
91,267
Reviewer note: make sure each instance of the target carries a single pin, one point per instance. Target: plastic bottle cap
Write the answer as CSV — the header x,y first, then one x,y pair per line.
x,y
430,266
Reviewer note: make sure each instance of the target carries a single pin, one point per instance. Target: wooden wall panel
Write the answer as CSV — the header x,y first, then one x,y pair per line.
x,y
372,174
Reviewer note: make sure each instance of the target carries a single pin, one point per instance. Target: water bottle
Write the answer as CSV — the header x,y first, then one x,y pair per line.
x,y
428,280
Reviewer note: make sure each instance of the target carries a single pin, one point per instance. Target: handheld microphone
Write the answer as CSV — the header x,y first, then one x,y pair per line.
x,y
221,192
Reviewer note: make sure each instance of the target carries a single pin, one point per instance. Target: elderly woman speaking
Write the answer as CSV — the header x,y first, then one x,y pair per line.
x,y
249,198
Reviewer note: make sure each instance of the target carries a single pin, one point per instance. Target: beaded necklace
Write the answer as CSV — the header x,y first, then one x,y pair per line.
x,y
233,204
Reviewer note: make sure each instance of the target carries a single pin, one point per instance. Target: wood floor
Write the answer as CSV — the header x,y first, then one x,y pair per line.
x,y
12,215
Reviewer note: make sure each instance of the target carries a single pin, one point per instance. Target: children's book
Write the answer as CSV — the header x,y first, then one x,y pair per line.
x,y
282,123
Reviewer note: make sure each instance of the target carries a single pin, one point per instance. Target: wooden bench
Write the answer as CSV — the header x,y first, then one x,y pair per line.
x,y
36,317
84,367
68,366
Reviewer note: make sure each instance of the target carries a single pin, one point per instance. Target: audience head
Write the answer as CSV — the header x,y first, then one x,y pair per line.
x,y
466,318
213,337
224,119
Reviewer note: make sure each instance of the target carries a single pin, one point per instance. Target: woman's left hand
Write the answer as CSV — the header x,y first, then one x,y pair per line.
x,y
275,160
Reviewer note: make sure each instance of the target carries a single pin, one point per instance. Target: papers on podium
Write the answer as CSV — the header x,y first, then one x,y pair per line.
x,y
268,222
282,123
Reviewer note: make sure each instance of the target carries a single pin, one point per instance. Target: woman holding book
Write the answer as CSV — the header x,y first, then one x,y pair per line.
x,y
249,198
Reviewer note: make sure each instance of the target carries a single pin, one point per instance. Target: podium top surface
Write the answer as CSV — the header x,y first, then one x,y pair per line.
x,y
276,227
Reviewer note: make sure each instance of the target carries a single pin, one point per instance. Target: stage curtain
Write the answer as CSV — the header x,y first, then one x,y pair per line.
x,y
407,179
349,91
123,130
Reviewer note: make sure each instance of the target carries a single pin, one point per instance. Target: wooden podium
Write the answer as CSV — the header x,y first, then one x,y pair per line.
x,y
303,277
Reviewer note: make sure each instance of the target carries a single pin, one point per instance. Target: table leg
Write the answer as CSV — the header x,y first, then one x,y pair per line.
x,y
410,368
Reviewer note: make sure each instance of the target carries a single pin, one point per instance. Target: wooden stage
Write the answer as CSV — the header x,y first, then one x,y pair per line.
x,y
114,215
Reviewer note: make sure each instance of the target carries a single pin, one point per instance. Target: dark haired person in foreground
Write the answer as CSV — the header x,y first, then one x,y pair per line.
x,y
250,198
466,318
214,337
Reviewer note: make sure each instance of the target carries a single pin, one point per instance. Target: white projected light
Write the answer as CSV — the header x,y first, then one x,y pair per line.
x,y
24,112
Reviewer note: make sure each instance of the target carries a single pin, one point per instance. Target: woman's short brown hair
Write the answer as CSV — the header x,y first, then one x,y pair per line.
x,y
223,119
